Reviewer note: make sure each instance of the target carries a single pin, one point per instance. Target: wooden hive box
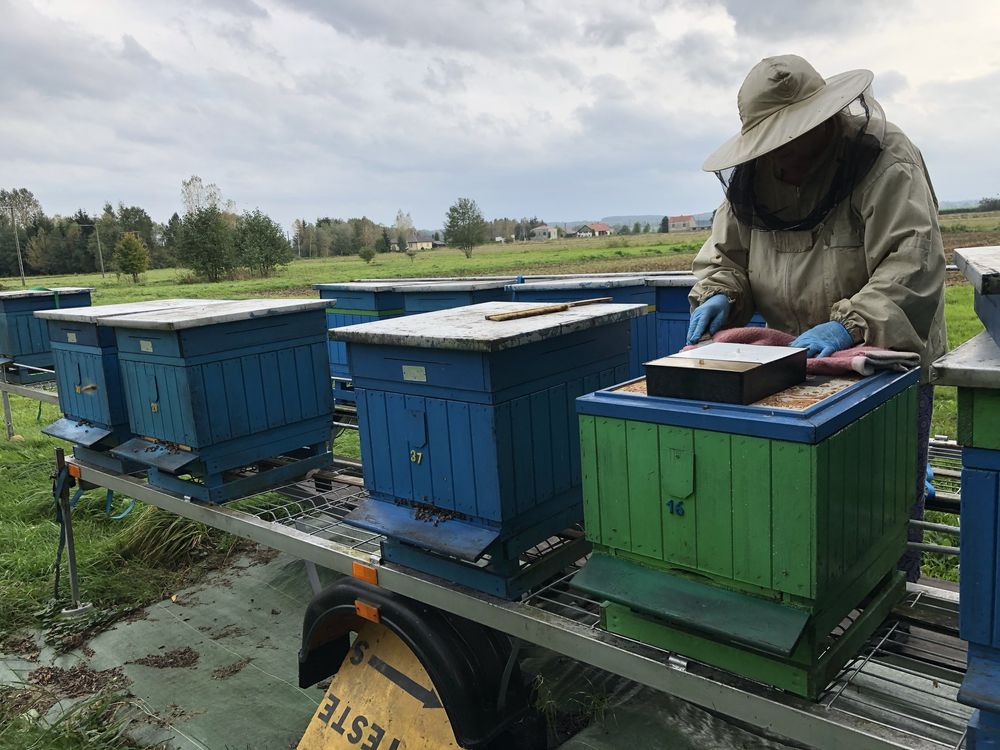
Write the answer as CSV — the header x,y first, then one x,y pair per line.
x,y
981,266
743,535
214,388
431,296
468,433
673,312
974,367
625,290
88,375
24,339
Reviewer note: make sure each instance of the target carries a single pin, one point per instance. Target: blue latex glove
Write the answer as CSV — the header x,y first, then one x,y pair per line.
x,y
930,492
824,339
709,315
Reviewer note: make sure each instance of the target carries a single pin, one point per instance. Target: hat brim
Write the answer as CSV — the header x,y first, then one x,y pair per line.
x,y
789,123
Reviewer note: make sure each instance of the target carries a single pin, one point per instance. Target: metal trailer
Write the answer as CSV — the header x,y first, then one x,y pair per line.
x,y
898,692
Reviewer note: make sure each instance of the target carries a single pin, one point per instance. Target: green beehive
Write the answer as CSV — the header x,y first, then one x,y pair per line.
x,y
742,536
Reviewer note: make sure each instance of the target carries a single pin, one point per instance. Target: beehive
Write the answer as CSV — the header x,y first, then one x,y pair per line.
x,y
88,375
352,303
212,389
974,368
431,296
642,330
468,432
981,266
24,339
742,535
673,311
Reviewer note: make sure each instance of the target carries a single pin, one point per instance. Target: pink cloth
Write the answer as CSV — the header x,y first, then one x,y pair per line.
x,y
862,360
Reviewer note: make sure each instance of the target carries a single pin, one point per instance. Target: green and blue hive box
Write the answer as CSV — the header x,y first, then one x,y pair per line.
x,y
673,311
620,289
210,390
742,536
469,438
974,368
88,376
24,339
351,303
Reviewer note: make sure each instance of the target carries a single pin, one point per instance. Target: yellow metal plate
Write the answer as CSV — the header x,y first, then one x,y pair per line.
x,y
381,699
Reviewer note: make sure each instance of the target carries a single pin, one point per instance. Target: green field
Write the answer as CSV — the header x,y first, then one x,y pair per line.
x,y
149,554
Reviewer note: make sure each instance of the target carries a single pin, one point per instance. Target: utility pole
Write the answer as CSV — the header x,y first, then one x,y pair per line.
x,y
100,253
17,244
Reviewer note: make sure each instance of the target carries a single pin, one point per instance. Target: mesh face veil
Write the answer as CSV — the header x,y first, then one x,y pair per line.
x,y
853,144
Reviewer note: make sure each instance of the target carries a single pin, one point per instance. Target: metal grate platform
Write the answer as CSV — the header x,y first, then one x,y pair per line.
x,y
899,692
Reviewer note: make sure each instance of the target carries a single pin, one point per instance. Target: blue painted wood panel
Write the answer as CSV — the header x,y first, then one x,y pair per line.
x,y
21,333
90,387
337,350
979,615
416,300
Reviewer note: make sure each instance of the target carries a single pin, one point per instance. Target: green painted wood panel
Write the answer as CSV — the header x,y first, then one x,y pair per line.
x,y
889,505
713,495
838,469
792,517
612,483
645,508
866,468
588,475
676,469
822,516
979,418
751,497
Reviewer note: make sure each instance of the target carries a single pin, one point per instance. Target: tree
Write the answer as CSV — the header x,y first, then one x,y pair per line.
x,y
260,243
206,245
401,244
665,224
637,228
436,236
383,244
403,224
411,252
367,254
464,226
21,206
131,256
989,204
646,229
196,195
623,229
170,237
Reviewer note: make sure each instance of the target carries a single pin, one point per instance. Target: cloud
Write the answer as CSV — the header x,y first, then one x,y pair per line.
x,y
777,20
889,83
613,28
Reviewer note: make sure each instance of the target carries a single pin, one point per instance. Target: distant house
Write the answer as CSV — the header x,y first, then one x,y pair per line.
x,y
413,244
544,232
684,223
499,240
704,221
597,229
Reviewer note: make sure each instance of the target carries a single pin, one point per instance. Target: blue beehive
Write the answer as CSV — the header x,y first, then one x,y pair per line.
x,y
981,265
88,376
352,303
621,289
468,433
216,388
431,296
673,311
24,340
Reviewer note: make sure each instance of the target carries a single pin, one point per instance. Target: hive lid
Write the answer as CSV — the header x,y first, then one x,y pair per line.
x,y
213,313
681,279
50,292
368,286
96,313
455,286
605,282
974,364
466,328
981,266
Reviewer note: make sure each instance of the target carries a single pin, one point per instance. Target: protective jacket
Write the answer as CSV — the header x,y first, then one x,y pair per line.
x,y
875,264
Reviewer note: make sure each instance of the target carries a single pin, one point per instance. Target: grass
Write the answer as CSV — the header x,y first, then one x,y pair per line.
x,y
95,723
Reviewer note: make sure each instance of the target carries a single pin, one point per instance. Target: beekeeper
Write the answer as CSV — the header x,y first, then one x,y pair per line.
x,y
829,227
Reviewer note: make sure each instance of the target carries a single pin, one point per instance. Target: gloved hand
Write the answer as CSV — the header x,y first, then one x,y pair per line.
x,y
930,491
824,339
709,315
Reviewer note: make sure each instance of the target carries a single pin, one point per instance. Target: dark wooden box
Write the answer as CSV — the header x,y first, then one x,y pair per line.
x,y
726,373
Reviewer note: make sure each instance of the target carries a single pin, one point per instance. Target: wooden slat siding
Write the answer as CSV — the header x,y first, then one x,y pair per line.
x,y
613,483
574,389
645,505
541,443
850,495
461,460
589,478
308,397
838,469
680,540
524,454
289,388
821,521
864,470
890,420
254,385
981,415
74,369
414,430
272,384
382,466
497,501
216,416
365,420
910,457
438,455
751,495
564,422
792,521
979,558
237,402
713,493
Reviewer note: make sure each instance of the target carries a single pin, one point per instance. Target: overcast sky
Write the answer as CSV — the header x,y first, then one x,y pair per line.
x,y
565,110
